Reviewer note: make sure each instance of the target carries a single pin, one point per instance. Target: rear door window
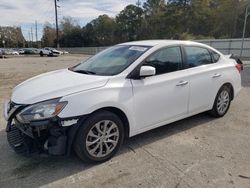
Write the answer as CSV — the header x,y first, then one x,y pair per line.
x,y
197,56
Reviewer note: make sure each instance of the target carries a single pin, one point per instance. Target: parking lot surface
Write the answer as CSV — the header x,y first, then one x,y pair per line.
x,y
199,151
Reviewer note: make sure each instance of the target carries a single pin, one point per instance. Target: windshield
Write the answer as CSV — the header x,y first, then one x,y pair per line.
x,y
111,61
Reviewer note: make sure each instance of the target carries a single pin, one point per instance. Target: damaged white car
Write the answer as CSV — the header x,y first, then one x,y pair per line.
x,y
125,90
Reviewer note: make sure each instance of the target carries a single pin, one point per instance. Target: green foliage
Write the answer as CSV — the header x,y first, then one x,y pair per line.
x,y
156,19
129,22
104,28
49,36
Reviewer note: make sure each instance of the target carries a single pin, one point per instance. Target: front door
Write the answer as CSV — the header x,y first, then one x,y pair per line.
x,y
163,97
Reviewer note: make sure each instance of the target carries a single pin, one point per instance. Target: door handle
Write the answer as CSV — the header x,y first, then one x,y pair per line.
x,y
217,75
182,83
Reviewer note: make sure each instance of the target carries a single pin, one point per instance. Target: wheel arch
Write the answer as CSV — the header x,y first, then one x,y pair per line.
x,y
115,110
228,84
121,115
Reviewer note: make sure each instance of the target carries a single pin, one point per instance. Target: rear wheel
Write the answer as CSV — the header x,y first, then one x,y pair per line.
x,y
41,54
222,102
100,137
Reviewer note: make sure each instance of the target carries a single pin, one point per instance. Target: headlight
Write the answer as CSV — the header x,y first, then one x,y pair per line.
x,y
40,111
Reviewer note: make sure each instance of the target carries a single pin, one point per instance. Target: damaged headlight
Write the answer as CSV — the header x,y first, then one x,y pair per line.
x,y
40,111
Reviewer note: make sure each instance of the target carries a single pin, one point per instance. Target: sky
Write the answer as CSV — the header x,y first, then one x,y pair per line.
x,y
24,13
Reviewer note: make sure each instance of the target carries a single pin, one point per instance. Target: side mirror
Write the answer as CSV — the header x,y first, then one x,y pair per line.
x,y
147,71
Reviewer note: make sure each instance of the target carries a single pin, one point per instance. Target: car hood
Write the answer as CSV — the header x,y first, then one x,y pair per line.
x,y
55,84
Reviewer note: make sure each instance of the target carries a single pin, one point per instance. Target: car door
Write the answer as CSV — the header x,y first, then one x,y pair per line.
x,y
163,97
203,75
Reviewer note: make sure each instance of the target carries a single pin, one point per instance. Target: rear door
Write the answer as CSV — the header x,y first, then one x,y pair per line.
x,y
203,76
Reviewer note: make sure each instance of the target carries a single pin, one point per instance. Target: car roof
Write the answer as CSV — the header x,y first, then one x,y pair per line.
x,y
161,42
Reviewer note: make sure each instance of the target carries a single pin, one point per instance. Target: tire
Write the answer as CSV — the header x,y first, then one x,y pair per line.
x,y
223,97
41,54
91,143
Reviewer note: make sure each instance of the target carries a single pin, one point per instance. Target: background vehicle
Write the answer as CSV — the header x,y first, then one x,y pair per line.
x,y
14,52
2,51
20,51
29,51
55,51
45,51
49,52
65,52
121,92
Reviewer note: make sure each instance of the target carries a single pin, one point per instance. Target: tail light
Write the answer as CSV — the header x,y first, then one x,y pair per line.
x,y
239,67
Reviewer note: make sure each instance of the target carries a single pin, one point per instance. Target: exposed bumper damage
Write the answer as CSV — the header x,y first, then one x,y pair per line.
x,y
52,136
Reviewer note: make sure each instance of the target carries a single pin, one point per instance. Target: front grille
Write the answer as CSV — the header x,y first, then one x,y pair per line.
x,y
17,141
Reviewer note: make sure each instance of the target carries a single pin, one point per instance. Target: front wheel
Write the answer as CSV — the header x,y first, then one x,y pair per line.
x,y
222,102
100,137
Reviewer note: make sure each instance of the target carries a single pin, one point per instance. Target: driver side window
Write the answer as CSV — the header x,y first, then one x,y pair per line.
x,y
165,60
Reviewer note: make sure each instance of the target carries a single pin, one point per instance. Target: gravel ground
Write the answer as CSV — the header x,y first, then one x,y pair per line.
x,y
196,152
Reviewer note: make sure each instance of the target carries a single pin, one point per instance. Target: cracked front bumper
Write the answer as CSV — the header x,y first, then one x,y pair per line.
x,y
53,136
37,137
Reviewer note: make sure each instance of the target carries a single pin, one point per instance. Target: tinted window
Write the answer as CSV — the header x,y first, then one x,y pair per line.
x,y
197,56
166,60
216,56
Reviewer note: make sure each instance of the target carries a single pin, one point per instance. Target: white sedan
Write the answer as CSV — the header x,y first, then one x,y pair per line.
x,y
123,91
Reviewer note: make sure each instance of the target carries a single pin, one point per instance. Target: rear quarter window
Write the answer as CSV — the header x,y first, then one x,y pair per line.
x,y
215,56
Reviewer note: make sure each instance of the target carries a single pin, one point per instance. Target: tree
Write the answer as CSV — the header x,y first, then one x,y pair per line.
x,y
155,23
129,23
89,35
157,19
104,28
67,24
49,36
12,36
153,7
202,21
71,34
228,11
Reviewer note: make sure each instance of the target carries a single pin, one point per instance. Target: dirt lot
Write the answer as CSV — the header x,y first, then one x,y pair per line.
x,y
196,152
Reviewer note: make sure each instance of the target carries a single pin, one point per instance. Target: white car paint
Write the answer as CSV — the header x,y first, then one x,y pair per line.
x,y
55,84
148,103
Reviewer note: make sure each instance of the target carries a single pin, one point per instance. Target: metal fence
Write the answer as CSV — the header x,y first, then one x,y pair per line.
x,y
226,46
84,50
230,46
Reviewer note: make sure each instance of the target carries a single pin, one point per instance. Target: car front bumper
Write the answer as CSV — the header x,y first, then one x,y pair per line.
x,y
53,136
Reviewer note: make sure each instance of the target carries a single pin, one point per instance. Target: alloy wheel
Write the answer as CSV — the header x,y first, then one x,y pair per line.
x,y
223,102
102,138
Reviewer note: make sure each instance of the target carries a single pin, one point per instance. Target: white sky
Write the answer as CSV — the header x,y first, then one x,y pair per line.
x,y
24,12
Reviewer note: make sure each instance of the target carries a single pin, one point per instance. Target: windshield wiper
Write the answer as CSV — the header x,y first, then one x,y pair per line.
x,y
84,71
